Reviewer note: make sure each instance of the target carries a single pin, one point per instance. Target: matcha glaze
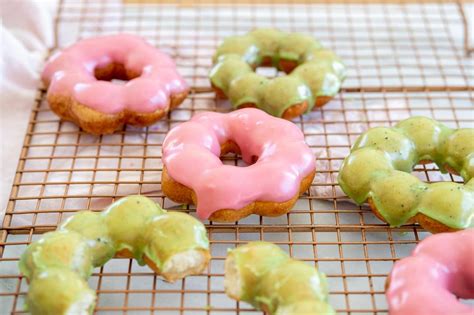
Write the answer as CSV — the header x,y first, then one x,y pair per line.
x,y
58,265
382,158
272,281
319,71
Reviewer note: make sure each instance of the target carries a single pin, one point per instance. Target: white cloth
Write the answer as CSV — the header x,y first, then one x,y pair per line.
x,y
26,34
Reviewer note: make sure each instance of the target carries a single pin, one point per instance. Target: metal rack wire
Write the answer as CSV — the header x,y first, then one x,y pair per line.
x,y
403,60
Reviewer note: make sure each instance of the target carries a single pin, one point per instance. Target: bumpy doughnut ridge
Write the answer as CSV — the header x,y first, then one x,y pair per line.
x,y
78,89
262,274
379,167
58,265
316,73
434,277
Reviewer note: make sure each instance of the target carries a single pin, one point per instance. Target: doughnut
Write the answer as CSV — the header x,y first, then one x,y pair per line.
x,y
262,274
58,265
281,166
78,89
434,277
379,166
315,74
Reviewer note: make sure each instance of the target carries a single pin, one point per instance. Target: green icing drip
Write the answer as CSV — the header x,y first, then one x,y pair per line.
x,y
320,71
449,203
229,66
268,40
273,281
381,160
281,91
92,226
294,46
61,261
358,173
386,191
399,148
426,134
247,89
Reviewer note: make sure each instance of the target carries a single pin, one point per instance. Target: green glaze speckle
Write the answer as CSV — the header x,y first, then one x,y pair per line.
x,y
399,148
449,203
61,261
92,226
273,281
319,72
381,160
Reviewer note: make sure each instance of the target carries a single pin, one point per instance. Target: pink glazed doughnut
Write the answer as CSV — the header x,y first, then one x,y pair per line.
x,y
79,91
281,166
430,281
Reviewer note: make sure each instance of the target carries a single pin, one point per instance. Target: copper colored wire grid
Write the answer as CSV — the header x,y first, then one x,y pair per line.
x,y
416,68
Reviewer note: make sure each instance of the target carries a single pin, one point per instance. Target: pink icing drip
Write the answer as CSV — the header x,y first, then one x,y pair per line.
x,y
429,282
191,156
71,72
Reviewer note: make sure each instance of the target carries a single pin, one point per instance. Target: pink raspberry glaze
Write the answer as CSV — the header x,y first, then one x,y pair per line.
x,y
191,155
440,269
71,73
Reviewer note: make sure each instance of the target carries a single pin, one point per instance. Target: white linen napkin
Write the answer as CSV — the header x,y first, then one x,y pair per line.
x,y
26,34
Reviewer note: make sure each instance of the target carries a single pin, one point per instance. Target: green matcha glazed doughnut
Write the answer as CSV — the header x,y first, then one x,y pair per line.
x,y
58,265
315,74
263,275
378,170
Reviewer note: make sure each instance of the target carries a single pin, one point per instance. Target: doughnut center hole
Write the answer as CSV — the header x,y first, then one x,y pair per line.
x,y
228,151
420,171
115,73
269,72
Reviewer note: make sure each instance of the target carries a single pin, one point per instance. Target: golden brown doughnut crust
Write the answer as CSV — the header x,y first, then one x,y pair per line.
x,y
183,194
96,122
321,101
289,65
424,221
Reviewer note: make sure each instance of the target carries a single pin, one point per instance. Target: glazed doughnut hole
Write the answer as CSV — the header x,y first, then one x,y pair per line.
x,y
230,155
115,73
269,72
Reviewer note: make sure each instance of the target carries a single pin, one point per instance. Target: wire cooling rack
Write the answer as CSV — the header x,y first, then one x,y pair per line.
x,y
403,60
